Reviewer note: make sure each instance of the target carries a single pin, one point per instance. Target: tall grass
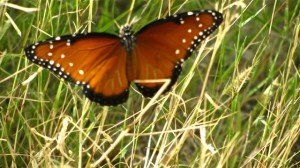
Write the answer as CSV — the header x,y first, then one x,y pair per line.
x,y
235,105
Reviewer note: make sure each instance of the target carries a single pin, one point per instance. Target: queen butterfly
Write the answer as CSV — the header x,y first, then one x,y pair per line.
x,y
105,64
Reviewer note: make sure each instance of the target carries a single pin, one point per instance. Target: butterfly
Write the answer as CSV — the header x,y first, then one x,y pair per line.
x,y
105,64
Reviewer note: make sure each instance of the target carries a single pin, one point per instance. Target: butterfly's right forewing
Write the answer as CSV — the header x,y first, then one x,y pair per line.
x,y
163,45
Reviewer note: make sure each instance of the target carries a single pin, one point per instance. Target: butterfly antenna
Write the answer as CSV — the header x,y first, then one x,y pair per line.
x,y
130,12
117,24
134,20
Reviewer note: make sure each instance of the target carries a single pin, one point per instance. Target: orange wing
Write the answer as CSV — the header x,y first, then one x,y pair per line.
x,y
97,61
162,46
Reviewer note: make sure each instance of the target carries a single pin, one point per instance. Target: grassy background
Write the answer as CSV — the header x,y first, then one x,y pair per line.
x,y
235,105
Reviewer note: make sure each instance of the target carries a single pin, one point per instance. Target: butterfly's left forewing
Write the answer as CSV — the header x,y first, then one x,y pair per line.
x,y
162,46
96,61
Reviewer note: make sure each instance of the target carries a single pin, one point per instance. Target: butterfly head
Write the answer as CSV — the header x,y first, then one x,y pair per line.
x,y
125,30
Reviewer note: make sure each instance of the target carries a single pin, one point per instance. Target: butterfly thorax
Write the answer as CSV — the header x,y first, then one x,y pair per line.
x,y
128,42
127,38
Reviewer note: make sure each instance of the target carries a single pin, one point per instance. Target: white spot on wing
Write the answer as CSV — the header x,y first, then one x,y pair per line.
x,y
190,13
177,51
81,72
71,64
68,42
